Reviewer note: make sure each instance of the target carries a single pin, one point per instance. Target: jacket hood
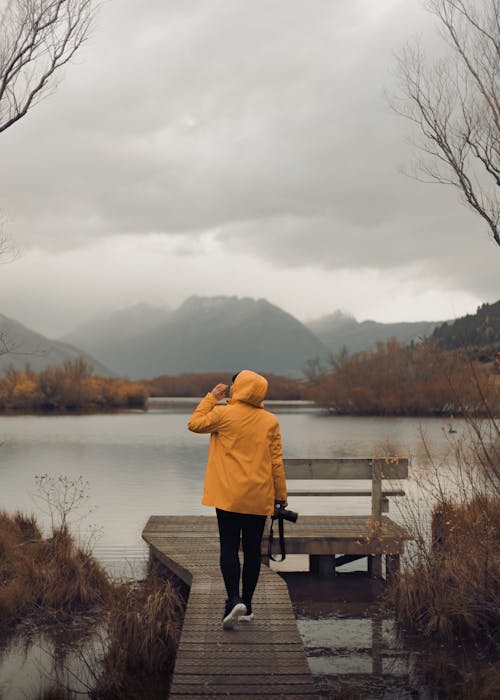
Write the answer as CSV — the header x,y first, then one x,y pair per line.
x,y
250,387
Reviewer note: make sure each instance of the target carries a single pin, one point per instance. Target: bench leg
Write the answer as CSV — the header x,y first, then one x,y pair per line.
x,y
322,564
375,565
392,566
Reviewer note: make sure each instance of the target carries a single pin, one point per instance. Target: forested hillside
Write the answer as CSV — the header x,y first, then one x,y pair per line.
x,y
474,331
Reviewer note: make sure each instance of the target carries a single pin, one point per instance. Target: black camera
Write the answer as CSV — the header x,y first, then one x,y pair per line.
x,y
281,512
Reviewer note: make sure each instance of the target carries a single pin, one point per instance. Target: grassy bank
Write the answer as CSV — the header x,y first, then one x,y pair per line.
x,y
449,590
70,387
52,584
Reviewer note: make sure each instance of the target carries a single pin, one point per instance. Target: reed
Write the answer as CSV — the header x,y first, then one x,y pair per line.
x,y
142,636
53,584
452,593
449,590
46,578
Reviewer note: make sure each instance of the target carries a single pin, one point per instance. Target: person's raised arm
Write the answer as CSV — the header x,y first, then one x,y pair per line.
x,y
207,414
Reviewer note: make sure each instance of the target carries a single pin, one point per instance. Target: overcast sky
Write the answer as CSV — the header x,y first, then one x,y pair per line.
x,y
234,147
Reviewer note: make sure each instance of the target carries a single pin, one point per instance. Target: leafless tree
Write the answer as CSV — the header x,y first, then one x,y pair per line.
x,y
37,38
454,103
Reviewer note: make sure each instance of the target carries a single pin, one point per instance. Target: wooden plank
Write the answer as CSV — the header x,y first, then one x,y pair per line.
x,y
347,469
282,693
266,665
245,691
222,680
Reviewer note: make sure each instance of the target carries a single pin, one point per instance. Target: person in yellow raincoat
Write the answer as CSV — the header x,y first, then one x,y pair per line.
x,y
245,477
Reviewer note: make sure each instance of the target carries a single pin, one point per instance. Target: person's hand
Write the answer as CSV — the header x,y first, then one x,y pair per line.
x,y
219,391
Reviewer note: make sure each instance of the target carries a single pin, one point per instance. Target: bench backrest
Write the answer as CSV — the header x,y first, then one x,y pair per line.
x,y
348,468
374,469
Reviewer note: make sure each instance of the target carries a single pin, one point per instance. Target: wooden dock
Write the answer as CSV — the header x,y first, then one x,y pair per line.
x,y
263,658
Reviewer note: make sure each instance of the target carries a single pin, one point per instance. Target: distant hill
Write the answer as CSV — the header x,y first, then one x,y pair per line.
x,y
338,330
211,334
20,345
107,337
474,331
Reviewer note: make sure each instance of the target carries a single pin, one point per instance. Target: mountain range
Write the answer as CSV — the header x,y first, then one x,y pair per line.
x,y
20,345
211,334
338,331
205,334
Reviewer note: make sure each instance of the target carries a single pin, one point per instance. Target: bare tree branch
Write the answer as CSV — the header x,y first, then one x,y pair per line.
x,y
37,38
454,104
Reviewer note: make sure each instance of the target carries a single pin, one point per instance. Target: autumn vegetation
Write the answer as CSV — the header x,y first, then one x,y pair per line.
x,y
67,387
53,584
448,592
197,385
391,380
398,380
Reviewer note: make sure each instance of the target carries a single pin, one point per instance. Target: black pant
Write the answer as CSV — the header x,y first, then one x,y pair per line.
x,y
251,527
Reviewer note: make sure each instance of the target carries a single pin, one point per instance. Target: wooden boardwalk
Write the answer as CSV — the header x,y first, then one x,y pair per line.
x,y
264,658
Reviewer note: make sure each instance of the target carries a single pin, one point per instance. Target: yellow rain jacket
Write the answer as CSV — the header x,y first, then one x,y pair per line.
x,y
245,472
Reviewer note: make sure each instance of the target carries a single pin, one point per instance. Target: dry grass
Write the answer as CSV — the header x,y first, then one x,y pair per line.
x,y
142,637
449,590
46,578
144,626
461,677
50,582
452,592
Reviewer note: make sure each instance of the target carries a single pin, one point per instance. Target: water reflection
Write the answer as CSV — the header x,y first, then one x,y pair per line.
x,y
34,662
351,646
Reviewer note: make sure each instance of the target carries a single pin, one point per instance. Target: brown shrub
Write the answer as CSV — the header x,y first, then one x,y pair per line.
x,y
144,626
46,577
196,385
453,591
53,581
395,379
67,387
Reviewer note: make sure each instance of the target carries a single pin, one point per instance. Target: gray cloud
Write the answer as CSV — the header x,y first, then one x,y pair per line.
x,y
264,123
187,116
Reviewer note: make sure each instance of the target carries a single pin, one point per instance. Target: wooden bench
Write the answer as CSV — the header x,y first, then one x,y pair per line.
x,y
332,541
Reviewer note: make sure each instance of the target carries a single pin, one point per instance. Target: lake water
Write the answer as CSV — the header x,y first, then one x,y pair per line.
x,y
143,463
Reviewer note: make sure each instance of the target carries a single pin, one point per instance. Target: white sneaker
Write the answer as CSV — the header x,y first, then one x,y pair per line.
x,y
246,618
233,613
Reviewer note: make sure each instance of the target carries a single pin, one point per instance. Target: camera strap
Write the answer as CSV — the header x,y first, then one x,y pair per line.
x,y
281,528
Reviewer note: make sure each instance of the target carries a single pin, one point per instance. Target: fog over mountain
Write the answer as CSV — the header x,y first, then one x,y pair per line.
x,y
339,330
204,334
20,345
107,337
217,334
211,334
